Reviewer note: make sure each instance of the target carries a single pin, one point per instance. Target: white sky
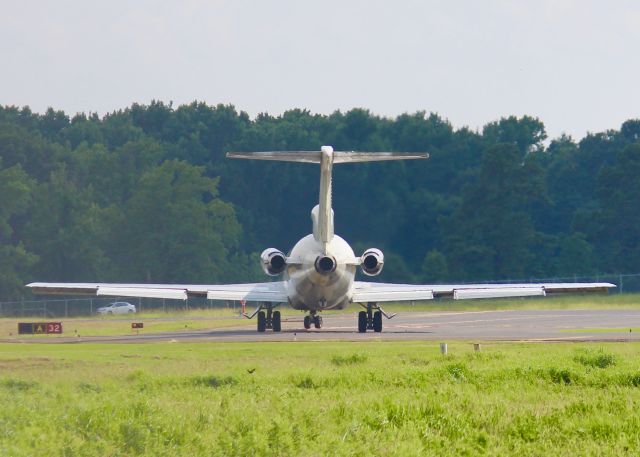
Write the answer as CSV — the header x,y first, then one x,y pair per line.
x,y
574,64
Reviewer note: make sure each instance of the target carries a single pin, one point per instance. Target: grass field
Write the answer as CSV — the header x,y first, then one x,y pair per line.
x,y
352,399
211,318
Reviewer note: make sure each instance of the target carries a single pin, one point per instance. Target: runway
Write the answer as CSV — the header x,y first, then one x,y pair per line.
x,y
535,325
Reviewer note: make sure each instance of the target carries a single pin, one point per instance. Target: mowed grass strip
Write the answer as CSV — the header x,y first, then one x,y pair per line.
x,y
279,399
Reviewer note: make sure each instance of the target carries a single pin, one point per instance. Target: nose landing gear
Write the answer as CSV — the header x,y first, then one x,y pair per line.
x,y
370,319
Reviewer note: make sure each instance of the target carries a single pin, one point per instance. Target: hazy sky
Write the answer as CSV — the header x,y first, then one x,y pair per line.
x,y
574,64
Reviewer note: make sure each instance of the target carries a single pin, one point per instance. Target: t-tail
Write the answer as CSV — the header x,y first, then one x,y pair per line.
x,y
322,214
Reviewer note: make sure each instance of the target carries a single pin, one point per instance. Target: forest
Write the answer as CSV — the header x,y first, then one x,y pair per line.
x,y
145,194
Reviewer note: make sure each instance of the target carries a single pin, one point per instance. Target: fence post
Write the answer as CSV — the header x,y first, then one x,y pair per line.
x,y
621,283
91,306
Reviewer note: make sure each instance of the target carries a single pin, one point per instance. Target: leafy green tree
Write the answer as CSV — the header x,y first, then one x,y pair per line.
x,y
492,231
176,229
618,231
15,261
434,267
68,231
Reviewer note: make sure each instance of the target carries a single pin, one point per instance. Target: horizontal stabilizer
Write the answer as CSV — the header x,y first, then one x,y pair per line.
x,y
338,156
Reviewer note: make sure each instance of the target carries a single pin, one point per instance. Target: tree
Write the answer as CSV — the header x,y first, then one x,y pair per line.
x,y
15,261
176,229
434,267
618,229
491,233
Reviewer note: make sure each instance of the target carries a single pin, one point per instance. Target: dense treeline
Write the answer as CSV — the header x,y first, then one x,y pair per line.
x,y
145,194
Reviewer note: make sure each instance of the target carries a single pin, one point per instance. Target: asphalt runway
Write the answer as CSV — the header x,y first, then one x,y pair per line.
x,y
535,325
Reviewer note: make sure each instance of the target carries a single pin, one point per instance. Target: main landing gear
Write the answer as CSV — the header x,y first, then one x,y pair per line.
x,y
268,319
370,319
312,318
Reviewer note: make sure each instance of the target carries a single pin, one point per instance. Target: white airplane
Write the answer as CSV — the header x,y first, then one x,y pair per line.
x,y
319,272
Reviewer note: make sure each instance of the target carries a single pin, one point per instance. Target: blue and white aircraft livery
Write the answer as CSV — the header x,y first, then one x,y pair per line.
x,y
319,272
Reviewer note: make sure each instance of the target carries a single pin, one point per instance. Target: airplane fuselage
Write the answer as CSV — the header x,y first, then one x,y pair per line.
x,y
310,289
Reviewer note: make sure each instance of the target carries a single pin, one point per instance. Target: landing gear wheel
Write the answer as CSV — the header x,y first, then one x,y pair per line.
x,y
362,321
307,322
317,321
377,321
262,321
276,321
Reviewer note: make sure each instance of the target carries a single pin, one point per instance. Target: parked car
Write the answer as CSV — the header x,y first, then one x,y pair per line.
x,y
119,307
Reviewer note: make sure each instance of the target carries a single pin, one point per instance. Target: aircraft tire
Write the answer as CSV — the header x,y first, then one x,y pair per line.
x,y
307,322
275,321
262,321
317,321
377,321
362,321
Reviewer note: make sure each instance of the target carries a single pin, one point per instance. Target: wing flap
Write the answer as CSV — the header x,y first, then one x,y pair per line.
x,y
382,292
145,292
496,292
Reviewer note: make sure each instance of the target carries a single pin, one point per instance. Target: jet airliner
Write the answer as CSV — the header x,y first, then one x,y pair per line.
x,y
319,272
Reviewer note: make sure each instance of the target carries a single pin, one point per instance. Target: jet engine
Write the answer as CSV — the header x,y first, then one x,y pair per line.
x,y
372,262
325,264
273,262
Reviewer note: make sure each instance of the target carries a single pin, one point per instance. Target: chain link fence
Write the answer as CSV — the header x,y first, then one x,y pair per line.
x,y
626,283
78,307
72,307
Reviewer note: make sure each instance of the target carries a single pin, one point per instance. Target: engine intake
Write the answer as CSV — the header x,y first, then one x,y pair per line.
x,y
273,262
325,264
372,262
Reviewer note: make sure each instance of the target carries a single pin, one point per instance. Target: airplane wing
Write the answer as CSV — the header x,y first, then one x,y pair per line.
x,y
383,292
274,292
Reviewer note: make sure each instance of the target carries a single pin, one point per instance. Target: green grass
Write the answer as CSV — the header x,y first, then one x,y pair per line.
x,y
603,330
352,399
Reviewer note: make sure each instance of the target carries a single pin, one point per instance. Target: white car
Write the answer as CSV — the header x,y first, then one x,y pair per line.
x,y
119,307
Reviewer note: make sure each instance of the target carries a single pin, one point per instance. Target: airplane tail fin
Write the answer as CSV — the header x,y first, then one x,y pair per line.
x,y
322,215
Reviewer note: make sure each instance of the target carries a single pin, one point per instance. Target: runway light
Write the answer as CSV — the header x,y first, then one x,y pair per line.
x,y
443,348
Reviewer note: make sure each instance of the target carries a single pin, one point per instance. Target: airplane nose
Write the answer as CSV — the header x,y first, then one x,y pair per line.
x,y
325,264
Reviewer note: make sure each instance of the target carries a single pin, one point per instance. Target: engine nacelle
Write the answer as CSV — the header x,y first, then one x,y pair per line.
x,y
273,262
325,264
372,262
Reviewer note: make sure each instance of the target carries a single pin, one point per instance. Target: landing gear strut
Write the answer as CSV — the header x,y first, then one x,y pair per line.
x,y
312,318
370,319
269,319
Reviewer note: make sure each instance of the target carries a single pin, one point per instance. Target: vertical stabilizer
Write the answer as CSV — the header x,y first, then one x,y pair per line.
x,y
325,213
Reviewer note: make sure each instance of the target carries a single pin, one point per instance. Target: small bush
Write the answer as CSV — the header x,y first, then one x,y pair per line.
x,y
561,376
306,382
352,359
458,371
599,359
632,380
18,384
211,381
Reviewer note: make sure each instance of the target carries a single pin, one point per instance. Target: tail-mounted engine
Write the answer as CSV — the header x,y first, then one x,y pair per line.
x,y
372,262
273,262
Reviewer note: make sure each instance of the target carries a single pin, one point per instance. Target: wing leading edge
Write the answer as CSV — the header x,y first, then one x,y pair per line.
x,y
274,292
384,292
